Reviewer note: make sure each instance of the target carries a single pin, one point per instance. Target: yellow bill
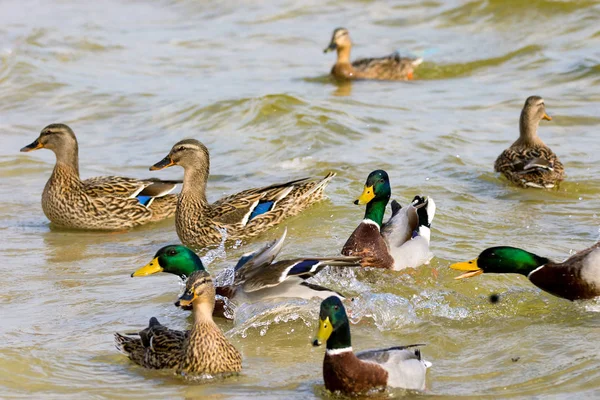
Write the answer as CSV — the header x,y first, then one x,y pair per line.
x,y
470,266
325,330
546,117
367,195
153,267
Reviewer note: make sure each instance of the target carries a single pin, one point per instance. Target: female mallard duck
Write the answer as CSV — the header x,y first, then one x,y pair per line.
x,y
201,350
108,202
343,370
528,162
242,215
391,68
256,276
577,278
403,241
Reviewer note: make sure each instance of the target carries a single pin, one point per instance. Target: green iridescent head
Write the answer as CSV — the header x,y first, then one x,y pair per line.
x,y
173,259
501,260
376,194
334,327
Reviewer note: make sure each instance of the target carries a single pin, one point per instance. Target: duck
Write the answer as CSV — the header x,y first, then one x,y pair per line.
x,y
577,278
203,349
236,217
528,162
391,67
401,242
99,203
352,373
257,277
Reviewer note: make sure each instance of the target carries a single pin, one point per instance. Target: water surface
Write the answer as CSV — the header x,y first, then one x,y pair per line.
x,y
249,80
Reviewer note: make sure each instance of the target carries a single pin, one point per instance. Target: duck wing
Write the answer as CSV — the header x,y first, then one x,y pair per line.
x,y
154,347
256,271
405,367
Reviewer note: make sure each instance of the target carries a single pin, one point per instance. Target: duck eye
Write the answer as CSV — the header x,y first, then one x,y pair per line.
x,y
336,307
172,252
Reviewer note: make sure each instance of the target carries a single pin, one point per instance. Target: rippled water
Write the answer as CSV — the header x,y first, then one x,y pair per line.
x,y
249,80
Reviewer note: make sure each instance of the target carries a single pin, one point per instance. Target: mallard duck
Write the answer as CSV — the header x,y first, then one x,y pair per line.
x,y
108,202
403,241
204,349
577,278
392,67
349,373
242,215
256,276
528,162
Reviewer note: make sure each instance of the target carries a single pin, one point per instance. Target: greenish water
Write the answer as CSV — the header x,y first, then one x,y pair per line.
x,y
250,81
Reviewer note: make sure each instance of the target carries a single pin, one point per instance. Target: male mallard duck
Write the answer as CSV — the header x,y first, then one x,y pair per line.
x,y
577,278
528,162
257,276
403,241
351,373
202,350
242,215
108,202
391,68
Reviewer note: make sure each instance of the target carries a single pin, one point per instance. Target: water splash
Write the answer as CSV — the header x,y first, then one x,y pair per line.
x,y
388,311
261,316
219,251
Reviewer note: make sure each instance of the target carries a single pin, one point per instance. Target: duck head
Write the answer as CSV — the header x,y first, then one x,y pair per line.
x,y
500,260
60,139
199,289
187,153
334,327
339,40
173,259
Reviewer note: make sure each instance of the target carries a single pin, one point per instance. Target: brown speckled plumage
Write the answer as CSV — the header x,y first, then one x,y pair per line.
x,y
200,224
106,203
204,349
528,162
392,67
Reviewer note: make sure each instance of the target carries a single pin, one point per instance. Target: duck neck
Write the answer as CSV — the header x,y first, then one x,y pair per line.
x,y
67,164
203,310
375,210
194,185
343,54
340,341
528,131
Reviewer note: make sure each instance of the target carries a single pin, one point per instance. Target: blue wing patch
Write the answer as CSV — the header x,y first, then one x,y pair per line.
x,y
261,208
303,267
144,199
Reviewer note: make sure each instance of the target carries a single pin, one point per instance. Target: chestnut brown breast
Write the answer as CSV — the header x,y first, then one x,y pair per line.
x,y
346,373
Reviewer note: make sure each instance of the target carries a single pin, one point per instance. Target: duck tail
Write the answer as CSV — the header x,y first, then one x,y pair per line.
x,y
416,62
121,343
320,185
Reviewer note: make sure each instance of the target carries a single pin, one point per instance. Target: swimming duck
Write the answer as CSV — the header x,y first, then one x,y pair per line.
x,y
392,67
204,349
403,241
577,278
242,215
256,276
528,162
106,203
349,373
